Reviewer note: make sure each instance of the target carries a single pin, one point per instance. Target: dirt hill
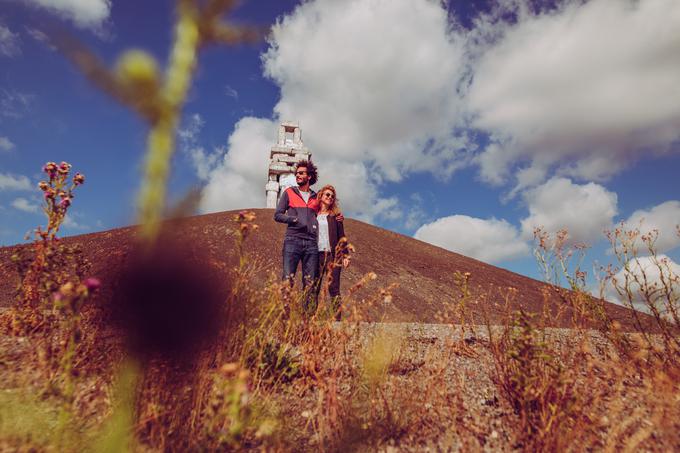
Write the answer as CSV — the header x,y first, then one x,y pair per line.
x,y
421,276
409,384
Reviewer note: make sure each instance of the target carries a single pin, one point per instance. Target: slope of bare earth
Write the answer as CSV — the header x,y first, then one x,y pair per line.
x,y
421,277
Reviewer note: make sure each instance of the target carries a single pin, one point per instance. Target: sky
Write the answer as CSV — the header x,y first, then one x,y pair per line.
x,y
464,124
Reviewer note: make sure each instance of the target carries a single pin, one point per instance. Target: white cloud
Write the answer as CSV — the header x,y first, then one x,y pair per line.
x,y
587,88
584,210
238,181
416,214
71,224
188,135
14,104
89,14
6,144
360,99
9,181
373,85
9,42
650,280
204,162
231,92
40,37
22,204
489,240
580,91
664,218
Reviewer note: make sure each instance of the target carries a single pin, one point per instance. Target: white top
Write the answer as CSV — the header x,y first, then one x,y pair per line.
x,y
324,240
305,196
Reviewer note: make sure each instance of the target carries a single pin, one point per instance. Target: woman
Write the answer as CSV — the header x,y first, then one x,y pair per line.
x,y
331,231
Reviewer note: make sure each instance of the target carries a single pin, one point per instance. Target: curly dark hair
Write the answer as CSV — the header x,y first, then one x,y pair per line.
x,y
311,170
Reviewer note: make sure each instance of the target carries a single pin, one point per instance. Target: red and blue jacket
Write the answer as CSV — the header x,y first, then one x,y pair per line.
x,y
300,216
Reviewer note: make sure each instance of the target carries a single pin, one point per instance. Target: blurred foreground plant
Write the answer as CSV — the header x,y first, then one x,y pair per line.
x,y
158,98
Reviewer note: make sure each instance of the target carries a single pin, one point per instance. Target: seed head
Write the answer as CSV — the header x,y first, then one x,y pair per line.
x,y
51,169
137,68
79,179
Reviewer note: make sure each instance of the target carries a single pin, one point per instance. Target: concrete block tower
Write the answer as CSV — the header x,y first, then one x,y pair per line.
x,y
288,149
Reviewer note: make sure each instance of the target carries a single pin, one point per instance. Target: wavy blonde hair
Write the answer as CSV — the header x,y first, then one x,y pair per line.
x,y
335,207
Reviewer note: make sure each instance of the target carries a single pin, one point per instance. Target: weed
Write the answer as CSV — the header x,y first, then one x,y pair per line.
x,y
158,98
47,263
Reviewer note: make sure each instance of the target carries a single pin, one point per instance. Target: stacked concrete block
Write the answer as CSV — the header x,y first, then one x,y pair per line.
x,y
288,150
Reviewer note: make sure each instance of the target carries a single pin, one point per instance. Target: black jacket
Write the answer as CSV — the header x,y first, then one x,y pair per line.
x,y
336,231
300,216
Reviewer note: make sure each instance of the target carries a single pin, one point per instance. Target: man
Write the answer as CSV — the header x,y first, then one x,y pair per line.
x,y
296,208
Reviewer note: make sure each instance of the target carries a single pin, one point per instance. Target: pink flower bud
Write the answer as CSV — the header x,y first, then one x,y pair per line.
x,y
51,169
65,203
92,283
43,186
78,179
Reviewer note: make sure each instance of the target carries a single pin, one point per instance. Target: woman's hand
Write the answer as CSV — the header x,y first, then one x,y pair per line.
x,y
339,217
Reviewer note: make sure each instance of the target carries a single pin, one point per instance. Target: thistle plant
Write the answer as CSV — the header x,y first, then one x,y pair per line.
x,y
58,196
137,82
48,264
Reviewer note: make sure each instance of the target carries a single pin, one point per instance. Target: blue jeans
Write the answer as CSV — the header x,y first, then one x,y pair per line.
x,y
296,250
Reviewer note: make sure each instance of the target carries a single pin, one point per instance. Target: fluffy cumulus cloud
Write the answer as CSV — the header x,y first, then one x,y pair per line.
x,y
577,91
361,99
664,218
489,240
89,14
6,144
649,280
583,210
584,89
22,204
369,112
9,181
238,180
9,42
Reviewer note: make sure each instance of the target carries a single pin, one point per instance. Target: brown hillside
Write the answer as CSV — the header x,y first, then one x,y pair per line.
x,y
423,274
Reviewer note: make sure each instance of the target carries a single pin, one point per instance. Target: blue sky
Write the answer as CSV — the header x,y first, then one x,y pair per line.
x,y
465,124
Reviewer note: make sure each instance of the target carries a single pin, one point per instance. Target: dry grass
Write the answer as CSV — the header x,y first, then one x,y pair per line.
x,y
268,377
275,379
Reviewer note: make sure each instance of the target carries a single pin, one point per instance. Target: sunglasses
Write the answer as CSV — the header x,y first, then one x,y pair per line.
x,y
300,172
329,195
